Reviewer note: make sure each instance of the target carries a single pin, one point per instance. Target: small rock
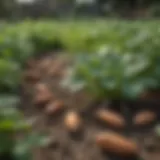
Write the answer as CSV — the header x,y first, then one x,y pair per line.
x,y
54,107
144,118
111,118
72,121
116,144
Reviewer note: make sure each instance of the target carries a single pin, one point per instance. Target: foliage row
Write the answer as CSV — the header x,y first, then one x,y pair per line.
x,y
20,41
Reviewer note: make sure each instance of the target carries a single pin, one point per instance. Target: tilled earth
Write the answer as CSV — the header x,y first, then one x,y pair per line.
x,y
75,128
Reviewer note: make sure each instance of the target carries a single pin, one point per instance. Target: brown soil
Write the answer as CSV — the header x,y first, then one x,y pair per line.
x,y
50,70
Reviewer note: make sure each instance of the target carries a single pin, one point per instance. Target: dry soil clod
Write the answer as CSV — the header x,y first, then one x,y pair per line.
x,y
111,118
116,144
73,121
144,118
54,107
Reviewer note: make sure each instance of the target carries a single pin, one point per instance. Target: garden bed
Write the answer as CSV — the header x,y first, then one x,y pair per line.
x,y
82,145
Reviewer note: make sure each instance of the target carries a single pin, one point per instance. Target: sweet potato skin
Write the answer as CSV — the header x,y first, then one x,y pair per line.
x,y
117,144
111,118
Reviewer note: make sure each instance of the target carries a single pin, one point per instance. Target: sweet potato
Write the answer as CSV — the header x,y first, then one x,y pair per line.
x,y
116,144
111,118
144,118
54,107
72,121
42,94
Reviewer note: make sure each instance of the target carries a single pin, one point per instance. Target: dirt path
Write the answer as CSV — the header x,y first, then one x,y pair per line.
x,y
49,71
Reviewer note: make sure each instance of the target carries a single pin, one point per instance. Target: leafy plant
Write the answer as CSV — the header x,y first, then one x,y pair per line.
x,y
111,75
16,136
10,72
20,41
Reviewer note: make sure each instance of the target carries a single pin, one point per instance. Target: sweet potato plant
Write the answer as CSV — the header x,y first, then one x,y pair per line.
x,y
20,41
113,75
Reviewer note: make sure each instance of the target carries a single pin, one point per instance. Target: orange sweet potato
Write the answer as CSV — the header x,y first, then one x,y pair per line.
x,y
144,118
116,144
54,107
111,118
